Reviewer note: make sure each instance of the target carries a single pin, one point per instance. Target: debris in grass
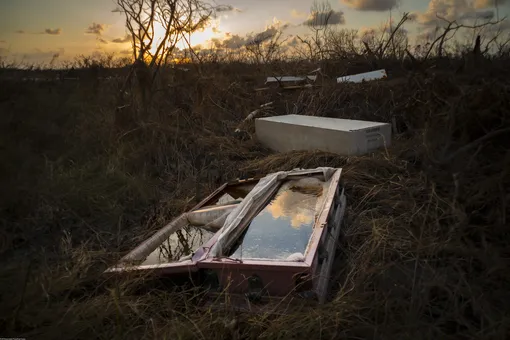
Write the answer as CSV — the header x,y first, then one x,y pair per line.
x,y
253,114
276,230
289,79
361,77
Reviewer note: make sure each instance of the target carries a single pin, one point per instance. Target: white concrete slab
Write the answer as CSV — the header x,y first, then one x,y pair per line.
x,y
367,76
324,122
288,79
341,136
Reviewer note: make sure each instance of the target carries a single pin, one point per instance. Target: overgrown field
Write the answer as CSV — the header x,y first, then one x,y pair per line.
x,y
425,249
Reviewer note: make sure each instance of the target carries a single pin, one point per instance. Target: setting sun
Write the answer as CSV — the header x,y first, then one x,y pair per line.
x,y
200,37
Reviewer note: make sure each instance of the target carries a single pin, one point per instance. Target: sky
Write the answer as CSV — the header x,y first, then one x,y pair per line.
x,y
36,30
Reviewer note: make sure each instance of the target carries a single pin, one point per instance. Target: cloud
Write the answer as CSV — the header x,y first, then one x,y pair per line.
x,y
217,42
485,15
371,5
297,14
325,18
365,30
296,207
236,41
233,41
2,41
127,38
226,8
95,29
452,10
503,26
264,35
448,9
294,41
56,31
427,35
4,52
38,55
50,31
200,49
413,16
102,41
372,31
481,4
270,32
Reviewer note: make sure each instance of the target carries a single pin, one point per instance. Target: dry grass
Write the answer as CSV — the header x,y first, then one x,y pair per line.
x,y
424,251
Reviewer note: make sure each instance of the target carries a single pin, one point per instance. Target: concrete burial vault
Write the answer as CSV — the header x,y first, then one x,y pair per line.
x,y
342,136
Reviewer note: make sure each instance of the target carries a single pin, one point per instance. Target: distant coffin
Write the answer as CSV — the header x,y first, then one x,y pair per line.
x,y
358,78
289,79
341,136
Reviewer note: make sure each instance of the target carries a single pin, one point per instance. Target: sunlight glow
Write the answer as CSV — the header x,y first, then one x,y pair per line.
x,y
201,37
159,34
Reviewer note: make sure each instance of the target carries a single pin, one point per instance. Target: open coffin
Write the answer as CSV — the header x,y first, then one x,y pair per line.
x,y
257,238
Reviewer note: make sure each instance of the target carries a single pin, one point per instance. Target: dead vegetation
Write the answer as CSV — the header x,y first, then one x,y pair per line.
x,y
87,174
424,252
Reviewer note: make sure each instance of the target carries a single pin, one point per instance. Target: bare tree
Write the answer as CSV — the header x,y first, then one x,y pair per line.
x,y
396,37
319,22
265,48
343,44
155,28
175,19
451,28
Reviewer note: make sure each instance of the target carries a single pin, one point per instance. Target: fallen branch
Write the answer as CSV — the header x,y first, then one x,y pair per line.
x,y
253,114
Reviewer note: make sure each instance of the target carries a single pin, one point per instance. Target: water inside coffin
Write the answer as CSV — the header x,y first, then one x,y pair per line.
x,y
285,225
181,243
188,239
